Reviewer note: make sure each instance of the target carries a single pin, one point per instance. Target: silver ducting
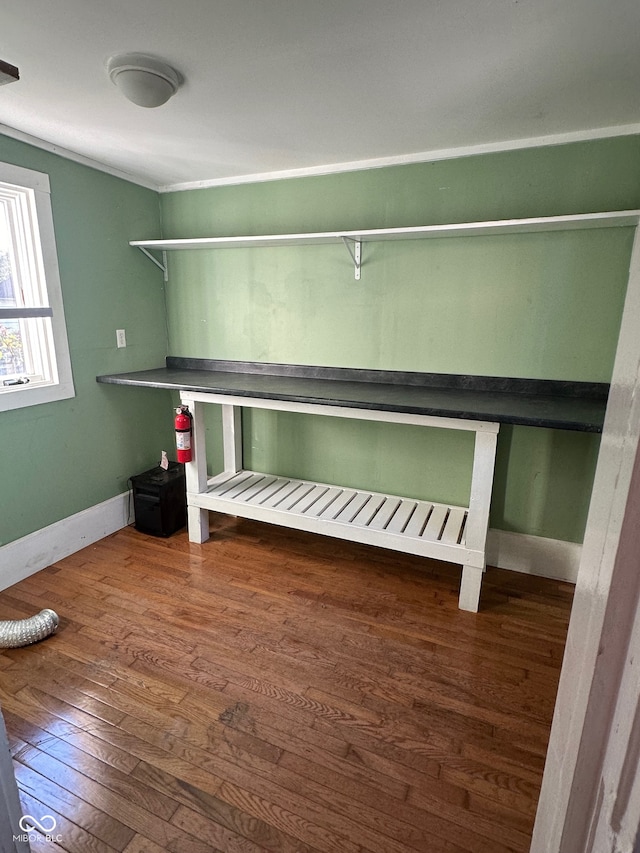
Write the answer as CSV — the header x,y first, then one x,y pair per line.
x,y
22,632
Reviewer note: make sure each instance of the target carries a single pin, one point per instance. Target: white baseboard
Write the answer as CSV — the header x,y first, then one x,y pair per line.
x,y
533,555
28,555
519,552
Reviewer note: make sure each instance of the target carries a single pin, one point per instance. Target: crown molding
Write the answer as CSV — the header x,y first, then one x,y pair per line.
x,y
331,169
407,159
83,160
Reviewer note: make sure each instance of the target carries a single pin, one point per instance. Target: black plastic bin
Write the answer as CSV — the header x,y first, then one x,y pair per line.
x,y
160,500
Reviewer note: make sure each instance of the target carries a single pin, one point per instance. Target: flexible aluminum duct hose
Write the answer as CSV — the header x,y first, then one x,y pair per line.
x,y
22,632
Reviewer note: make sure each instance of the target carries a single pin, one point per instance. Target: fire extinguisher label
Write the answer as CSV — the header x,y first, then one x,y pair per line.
x,y
183,440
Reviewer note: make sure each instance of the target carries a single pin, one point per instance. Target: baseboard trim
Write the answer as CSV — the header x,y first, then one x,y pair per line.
x,y
533,555
518,552
34,552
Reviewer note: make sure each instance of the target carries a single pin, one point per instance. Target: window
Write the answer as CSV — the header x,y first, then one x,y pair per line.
x,y
34,354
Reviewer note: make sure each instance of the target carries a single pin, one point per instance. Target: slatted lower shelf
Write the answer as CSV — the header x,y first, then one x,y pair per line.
x,y
403,524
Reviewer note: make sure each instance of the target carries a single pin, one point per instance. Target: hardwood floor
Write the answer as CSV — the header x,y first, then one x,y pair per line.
x,y
278,691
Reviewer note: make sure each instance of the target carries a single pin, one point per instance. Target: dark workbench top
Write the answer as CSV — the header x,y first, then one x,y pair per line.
x,y
533,402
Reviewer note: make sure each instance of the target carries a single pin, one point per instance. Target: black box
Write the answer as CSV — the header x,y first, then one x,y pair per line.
x,y
160,500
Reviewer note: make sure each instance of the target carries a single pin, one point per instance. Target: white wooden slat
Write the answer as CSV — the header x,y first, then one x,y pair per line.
x,y
225,486
237,492
436,523
325,502
305,503
418,519
292,499
352,508
276,498
402,516
257,489
452,532
385,513
368,511
219,480
268,491
339,504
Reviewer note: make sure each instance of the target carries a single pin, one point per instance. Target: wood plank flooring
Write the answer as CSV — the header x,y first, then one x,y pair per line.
x,y
278,691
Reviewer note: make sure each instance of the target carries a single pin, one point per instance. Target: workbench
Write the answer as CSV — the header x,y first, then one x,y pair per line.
x,y
440,531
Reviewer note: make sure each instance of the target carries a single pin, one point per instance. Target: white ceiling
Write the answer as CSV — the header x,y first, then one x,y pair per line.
x,y
272,86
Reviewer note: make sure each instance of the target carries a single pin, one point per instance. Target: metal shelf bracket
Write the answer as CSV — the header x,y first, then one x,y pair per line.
x,y
161,264
355,251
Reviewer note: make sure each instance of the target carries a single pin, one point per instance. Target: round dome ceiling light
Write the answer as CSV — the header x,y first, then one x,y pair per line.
x,y
145,81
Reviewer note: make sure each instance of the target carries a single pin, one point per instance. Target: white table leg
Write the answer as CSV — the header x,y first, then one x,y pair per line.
x,y
470,588
484,459
232,437
198,524
196,476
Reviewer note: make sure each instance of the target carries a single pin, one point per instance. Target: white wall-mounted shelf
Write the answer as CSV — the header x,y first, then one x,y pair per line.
x,y
354,239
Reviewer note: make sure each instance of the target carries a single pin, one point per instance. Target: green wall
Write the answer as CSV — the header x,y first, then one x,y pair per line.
x,y
532,305
63,457
544,305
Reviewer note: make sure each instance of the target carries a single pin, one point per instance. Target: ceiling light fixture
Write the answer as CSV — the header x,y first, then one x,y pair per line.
x,y
145,81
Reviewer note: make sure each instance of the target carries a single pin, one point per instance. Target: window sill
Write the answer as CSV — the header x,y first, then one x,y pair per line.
x,y
21,397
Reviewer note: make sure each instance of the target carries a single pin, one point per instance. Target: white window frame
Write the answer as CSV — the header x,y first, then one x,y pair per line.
x,y
61,385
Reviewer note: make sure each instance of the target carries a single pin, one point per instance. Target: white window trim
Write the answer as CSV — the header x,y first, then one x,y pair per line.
x,y
19,397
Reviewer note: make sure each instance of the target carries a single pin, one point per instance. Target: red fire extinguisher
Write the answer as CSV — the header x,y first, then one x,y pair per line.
x,y
184,428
